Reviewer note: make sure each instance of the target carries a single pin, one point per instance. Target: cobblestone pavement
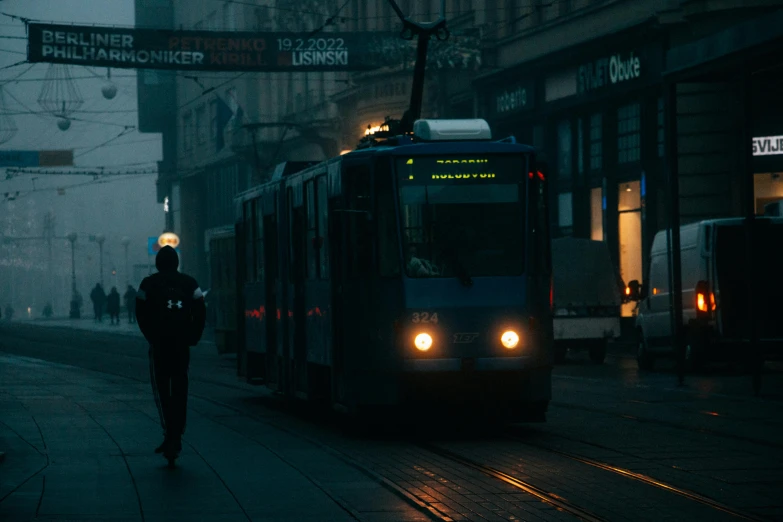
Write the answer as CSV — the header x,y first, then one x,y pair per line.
x,y
712,441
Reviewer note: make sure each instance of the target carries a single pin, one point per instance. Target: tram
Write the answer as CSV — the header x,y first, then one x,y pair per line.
x,y
415,271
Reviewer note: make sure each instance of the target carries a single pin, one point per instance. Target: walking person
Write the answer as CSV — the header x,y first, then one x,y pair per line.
x,y
113,305
171,315
98,297
130,303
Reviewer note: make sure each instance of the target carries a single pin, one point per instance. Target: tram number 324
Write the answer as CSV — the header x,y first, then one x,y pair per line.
x,y
424,317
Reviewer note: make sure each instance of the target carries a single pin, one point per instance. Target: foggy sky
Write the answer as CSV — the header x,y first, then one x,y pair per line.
x,y
116,207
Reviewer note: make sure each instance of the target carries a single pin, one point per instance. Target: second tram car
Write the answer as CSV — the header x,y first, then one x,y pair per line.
x,y
413,271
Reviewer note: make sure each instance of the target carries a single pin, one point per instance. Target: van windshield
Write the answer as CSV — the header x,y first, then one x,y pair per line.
x,y
462,216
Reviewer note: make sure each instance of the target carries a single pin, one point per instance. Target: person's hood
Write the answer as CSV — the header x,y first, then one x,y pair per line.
x,y
167,260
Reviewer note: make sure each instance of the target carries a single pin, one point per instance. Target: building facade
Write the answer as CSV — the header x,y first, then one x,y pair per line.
x,y
588,82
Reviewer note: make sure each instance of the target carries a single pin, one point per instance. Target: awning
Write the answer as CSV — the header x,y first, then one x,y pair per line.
x,y
745,37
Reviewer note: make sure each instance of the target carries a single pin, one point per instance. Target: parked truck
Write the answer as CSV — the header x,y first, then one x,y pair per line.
x,y
588,294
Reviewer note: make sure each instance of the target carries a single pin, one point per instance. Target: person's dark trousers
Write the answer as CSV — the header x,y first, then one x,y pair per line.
x,y
97,310
169,377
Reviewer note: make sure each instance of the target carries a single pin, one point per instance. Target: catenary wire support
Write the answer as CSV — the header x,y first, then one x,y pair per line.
x,y
673,232
423,31
755,351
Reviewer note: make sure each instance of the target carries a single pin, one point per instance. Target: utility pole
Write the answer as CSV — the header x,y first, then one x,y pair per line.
x,y
49,235
100,238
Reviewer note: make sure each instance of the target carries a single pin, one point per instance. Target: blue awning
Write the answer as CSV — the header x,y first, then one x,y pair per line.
x,y
746,36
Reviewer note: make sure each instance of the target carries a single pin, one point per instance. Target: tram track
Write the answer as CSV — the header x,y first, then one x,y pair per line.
x,y
563,504
645,479
552,499
558,501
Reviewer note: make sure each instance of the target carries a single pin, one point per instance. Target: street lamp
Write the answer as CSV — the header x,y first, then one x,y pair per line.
x,y
100,238
125,242
75,311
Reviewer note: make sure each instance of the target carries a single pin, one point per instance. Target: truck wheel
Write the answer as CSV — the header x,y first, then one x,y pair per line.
x,y
598,352
560,353
644,358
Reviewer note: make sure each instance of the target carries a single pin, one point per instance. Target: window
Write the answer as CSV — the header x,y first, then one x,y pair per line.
x,y
630,236
564,166
200,125
565,213
311,230
263,19
187,131
628,137
455,229
580,146
213,119
661,119
322,208
250,262
597,214
258,238
596,142
659,274
388,250
228,17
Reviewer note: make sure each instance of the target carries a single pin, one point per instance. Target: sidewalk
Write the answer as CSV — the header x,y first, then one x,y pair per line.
x,y
89,324
79,446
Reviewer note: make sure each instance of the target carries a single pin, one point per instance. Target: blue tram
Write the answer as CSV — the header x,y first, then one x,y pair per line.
x,y
416,271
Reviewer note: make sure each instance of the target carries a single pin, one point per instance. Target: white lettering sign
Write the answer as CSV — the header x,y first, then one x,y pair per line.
x,y
510,101
608,71
768,146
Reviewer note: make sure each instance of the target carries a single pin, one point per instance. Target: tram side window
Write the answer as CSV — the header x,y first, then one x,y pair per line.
x,y
250,263
358,248
258,235
311,217
322,208
388,252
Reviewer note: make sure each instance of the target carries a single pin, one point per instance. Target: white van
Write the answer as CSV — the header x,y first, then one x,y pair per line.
x,y
715,281
587,294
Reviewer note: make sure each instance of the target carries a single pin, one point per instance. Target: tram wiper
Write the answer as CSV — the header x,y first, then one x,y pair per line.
x,y
462,273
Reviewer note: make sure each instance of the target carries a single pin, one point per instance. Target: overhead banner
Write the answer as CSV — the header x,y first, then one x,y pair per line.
x,y
211,50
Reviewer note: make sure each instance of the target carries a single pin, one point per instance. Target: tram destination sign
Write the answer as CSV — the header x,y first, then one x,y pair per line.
x,y
211,50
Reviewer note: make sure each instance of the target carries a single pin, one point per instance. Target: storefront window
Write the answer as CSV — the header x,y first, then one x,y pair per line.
x,y
565,213
596,141
597,214
564,164
768,189
630,236
661,145
628,138
580,146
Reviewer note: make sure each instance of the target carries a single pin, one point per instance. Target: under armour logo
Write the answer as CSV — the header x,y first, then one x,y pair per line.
x,y
172,304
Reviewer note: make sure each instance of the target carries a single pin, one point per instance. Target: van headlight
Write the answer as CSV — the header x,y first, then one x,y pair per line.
x,y
510,339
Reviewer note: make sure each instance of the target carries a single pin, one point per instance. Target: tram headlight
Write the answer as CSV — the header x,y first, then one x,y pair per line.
x,y
423,342
510,339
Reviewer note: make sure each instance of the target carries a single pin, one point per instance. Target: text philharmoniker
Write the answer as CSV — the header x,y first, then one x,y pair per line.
x,y
113,47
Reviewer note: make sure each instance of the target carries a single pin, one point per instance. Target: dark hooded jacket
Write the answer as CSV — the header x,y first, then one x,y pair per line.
x,y
149,299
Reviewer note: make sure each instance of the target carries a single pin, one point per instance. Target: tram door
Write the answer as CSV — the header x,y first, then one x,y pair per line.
x,y
296,316
351,273
271,283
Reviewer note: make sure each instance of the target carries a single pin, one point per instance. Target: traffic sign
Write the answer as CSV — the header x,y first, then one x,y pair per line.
x,y
36,158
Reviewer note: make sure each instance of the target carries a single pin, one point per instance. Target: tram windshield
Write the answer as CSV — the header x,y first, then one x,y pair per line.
x,y
462,216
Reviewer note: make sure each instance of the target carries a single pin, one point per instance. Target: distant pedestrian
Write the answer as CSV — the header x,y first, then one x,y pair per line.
x,y
98,297
9,312
130,303
113,305
171,313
